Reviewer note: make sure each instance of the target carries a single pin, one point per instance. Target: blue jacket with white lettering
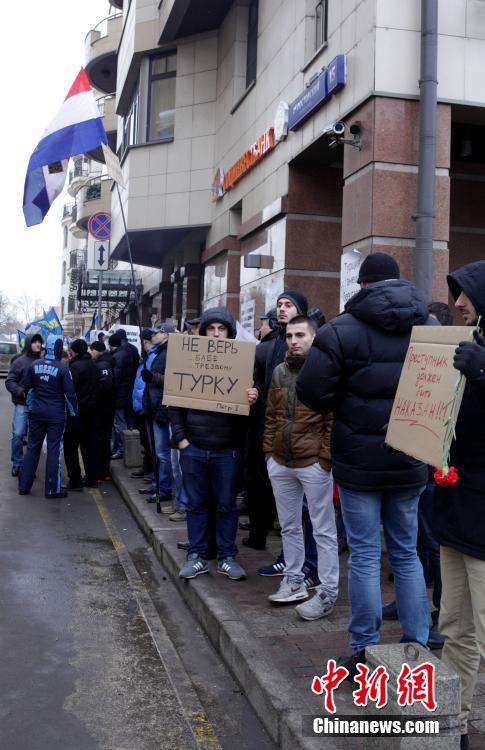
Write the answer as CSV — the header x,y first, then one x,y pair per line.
x,y
49,387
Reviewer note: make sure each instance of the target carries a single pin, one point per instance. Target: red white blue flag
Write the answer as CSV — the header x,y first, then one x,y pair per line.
x,y
76,129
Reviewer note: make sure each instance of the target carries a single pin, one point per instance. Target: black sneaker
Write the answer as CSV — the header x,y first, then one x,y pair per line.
x,y
389,612
253,544
16,471
350,663
138,473
56,495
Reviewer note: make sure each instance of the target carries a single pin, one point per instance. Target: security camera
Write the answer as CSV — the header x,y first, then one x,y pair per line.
x,y
335,129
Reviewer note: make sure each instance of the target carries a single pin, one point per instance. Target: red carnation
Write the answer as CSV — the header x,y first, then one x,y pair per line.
x,y
446,477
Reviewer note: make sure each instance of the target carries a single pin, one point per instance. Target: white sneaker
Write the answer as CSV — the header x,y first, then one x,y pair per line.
x,y
289,591
318,606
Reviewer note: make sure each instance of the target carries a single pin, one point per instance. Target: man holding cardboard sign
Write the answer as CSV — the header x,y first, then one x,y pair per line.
x,y
210,438
459,510
353,369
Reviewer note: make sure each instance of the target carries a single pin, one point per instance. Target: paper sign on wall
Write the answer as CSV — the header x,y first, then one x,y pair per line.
x,y
208,373
422,406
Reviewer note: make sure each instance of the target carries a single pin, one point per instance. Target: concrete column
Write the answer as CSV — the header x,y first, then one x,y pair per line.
x,y
380,181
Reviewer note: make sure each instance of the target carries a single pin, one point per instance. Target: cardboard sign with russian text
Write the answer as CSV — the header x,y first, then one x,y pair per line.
x,y
423,402
208,373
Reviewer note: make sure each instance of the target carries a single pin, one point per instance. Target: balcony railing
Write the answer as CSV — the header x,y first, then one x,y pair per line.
x,y
101,28
101,102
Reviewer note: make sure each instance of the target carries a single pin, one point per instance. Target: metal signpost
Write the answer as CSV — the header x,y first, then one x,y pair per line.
x,y
99,226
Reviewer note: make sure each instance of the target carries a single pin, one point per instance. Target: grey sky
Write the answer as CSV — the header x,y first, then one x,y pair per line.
x,y
41,53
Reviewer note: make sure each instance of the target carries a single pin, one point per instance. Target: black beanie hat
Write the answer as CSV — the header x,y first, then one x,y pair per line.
x,y
114,340
298,299
378,267
79,346
98,346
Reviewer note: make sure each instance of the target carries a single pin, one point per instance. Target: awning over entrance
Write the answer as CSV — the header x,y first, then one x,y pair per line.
x,y
189,17
148,247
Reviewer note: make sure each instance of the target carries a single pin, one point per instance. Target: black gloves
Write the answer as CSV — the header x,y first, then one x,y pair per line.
x,y
470,358
146,376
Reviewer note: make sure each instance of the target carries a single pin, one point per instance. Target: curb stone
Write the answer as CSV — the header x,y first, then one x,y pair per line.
x,y
274,701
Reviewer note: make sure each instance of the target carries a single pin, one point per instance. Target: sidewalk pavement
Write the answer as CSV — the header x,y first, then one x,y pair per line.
x,y
273,654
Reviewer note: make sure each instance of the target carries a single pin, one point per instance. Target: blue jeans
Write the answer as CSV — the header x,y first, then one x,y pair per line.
x,y
19,431
181,498
362,514
211,474
119,425
162,458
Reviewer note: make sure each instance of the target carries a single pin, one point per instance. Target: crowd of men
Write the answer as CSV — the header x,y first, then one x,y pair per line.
x,y
315,438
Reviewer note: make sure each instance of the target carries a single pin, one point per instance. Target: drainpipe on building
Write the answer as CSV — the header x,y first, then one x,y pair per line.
x,y
425,213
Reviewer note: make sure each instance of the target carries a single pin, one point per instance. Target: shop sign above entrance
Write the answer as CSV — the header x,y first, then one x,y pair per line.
x,y
327,83
225,180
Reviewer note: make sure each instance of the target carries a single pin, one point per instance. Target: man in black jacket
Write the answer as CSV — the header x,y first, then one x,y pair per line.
x,y
104,411
156,414
353,369
134,360
210,447
459,510
14,383
80,428
122,369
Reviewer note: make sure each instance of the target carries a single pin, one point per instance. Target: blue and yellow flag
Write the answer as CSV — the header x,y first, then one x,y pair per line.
x,y
20,339
50,323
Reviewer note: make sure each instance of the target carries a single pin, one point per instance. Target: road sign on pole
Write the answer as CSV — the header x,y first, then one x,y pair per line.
x,y
101,255
99,225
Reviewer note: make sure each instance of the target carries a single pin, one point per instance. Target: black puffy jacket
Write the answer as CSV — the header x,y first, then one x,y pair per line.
x,y
206,429
85,376
353,369
459,511
14,382
106,386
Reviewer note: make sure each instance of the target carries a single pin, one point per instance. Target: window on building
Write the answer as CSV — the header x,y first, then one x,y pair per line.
x,y
161,97
65,236
64,272
130,123
252,48
62,307
70,304
320,24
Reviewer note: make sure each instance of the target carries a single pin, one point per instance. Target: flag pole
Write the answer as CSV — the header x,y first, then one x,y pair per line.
x,y
148,416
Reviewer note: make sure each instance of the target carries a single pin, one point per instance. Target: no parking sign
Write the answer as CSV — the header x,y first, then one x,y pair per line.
x,y
99,225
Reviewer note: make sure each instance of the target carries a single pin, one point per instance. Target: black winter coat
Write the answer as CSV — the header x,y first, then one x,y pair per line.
x,y
106,385
153,393
353,369
459,511
133,357
123,378
207,429
85,376
14,382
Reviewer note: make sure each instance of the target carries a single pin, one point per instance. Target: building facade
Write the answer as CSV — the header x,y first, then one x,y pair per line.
x,y
238,182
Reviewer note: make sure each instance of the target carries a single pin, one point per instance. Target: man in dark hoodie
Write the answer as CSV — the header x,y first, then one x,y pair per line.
x,y
353,369
49,394
80,428
14,383
269,354
459,510
134,361
122,369
210,447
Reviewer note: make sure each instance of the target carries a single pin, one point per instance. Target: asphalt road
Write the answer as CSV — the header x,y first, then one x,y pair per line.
x,y
99,652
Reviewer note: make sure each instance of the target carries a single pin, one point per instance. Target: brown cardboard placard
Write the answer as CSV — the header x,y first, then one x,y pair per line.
x,y
208,373
423,402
